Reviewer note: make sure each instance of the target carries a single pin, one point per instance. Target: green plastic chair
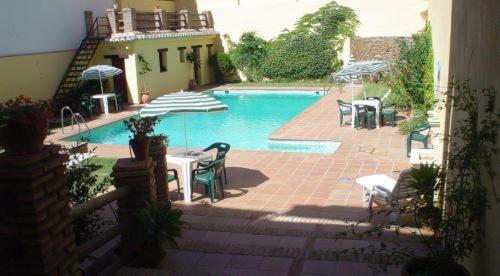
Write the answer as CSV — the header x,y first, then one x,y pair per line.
x,y
389,110
365,115
419,133
208,176
345,109
172,177
88,105
222,150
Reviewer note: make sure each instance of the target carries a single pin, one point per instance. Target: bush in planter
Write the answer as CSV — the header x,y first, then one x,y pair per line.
x,y
157,227
139,141
224,69
23,125
470,169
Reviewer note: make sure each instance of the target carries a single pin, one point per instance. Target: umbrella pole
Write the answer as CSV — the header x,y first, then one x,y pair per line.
x,y
352,90
100,81
185,135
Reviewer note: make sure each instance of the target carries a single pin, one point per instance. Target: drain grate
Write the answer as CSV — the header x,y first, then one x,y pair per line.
x,y
346,180
366,149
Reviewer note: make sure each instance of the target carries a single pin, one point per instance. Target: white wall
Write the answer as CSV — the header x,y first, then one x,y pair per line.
x,y
269,17
35,26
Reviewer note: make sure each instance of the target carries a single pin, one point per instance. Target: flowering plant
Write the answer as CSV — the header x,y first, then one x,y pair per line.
x,y
23,111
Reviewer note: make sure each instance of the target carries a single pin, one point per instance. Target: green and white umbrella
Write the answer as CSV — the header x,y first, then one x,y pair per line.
x,y
182,103
99,72
355,69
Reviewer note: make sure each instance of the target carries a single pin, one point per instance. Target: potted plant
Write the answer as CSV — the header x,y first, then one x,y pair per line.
x,y
157,140
425,181
156,227
144,68
139,141
192,58
23,125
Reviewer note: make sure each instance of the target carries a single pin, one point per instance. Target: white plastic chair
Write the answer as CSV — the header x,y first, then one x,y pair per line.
x,y
385,191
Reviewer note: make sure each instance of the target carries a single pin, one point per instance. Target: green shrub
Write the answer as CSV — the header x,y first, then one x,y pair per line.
x,y
223,67
83,185
248,54
299,57
372,89
412,76
418,118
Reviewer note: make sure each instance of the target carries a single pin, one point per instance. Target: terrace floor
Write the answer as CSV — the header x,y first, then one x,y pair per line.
x,y
282,210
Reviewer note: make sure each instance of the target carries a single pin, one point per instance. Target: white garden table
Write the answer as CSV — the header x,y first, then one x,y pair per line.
x,y
374,103
186,163
104,101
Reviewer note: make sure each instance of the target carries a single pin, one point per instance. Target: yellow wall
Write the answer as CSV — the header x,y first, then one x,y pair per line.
x,y
147,5
35,75
465,38
158,83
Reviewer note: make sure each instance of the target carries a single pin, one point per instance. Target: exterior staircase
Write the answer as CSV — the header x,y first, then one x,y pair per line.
x,y
80,61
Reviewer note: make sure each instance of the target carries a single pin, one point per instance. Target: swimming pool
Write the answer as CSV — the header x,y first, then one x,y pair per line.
x,y
252,116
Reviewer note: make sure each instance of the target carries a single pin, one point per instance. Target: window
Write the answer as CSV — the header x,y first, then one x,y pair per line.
x,y
162,57
209,50
182,54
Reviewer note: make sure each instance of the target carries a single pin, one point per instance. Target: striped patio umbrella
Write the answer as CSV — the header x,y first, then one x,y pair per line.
x,y
99,72
182,103
355,69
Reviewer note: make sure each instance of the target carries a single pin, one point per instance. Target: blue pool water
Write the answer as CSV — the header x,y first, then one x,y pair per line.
x,y
251,118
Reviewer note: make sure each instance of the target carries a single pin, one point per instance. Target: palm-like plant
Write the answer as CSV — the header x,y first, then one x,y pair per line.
x,y
425,180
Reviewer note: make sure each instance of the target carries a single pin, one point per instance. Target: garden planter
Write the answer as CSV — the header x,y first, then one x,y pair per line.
x,y
433,266
150,256
140,147
145,98
19,138
193,85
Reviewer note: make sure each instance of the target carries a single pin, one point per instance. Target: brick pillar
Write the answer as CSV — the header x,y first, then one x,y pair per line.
x,y
157,150
129,20
89,20
185,22
139,175
162,15
209,18
35,222
113,20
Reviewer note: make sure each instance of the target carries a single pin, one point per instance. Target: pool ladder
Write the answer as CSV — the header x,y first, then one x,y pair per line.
x,y
75,117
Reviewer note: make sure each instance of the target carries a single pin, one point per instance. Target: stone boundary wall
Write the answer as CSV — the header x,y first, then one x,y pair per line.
x,y
384,48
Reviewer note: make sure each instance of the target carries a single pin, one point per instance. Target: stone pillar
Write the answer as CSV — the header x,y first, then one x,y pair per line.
x,y
129,20
185,22
139,176
89,20
157,151
113,20
35,226
162,15
209,19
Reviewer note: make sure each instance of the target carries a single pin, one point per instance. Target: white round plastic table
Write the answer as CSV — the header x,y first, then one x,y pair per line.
x,y
104,101
374,103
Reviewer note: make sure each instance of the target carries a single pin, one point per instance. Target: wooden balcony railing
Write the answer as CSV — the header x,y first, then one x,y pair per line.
x,y
129,20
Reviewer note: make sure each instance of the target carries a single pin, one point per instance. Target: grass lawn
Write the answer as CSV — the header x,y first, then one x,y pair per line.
x,y
372,90
107,166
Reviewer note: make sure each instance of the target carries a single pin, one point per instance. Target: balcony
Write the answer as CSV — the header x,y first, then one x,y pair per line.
x,y
129,24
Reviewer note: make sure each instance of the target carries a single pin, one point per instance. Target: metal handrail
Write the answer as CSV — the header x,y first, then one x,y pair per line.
x,y
75,117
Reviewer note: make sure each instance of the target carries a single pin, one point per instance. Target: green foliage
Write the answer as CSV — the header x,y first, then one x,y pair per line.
x,y
309,51
141,127
412,75
158,225
144,66
84,184
424,179
248,54
333,22
298,57
419,117
222,66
